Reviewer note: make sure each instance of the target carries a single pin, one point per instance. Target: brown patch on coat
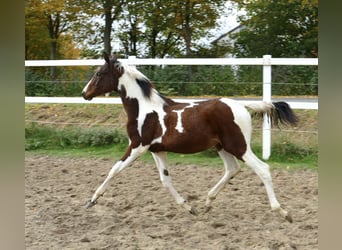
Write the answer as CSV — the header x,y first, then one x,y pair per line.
x,y
151,128
207,124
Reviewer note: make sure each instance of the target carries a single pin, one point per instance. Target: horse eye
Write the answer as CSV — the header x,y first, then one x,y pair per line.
x,y
98,74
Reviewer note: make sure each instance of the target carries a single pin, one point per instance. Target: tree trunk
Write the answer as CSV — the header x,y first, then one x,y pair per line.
x,y
134,35
53,53
188,36
53,27
108,27
153,43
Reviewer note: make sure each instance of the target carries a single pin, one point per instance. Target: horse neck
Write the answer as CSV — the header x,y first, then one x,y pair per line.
x,y
133,97
136,103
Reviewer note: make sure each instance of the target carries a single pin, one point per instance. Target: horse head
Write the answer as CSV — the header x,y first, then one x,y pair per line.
x,y
105,79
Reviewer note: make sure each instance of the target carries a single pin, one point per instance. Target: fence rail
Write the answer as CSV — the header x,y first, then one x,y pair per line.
x,y
266,61
115,100
178,61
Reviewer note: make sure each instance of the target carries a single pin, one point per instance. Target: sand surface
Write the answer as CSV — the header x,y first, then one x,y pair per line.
x,y
136,212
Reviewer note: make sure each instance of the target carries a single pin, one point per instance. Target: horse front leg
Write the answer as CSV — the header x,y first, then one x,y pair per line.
x,y
160,159
131,155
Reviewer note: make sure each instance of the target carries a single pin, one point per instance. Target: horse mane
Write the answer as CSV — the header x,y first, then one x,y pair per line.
x,y
146,86
143,82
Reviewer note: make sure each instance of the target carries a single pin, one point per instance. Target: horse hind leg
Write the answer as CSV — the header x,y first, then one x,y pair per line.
x,y
232,168
263,171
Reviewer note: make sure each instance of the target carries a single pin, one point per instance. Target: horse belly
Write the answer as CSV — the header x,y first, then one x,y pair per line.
x,y
185,144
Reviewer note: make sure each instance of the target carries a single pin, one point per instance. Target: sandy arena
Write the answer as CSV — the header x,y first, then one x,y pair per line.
x,y
136,212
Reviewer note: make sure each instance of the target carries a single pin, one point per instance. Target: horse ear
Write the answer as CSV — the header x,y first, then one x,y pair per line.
x,y
114,57
106,57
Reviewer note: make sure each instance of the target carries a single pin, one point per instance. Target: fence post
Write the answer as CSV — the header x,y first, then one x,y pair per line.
x,y
266,96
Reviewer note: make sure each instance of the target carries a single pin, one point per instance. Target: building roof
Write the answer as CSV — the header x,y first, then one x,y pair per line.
x,y
232,31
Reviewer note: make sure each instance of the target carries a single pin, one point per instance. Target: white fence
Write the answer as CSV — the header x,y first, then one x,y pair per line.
x,y
267,61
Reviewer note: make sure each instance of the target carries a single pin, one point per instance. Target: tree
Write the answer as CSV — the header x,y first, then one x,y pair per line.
x,y
194,17
130,26
284,28
56,16
160,35
164,27
111,11
37,42
100,31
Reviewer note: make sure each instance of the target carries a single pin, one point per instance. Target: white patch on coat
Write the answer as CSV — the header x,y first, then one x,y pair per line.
x,y
179,126
241,117
146,105
128,81
87,85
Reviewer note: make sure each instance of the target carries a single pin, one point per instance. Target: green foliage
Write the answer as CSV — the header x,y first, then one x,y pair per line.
x,y
206,80
173,80
37,137
283,28
292,148
294,80
34,86
49,138
289,152
166,27
38,84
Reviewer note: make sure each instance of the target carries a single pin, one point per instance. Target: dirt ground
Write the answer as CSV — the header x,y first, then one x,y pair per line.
x,y
136,212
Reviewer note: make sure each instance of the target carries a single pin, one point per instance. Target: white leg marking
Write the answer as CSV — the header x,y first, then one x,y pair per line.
x,y
160,159
119,166
232,168
263,171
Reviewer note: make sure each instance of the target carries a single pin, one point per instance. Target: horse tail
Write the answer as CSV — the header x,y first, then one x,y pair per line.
x,y
277,111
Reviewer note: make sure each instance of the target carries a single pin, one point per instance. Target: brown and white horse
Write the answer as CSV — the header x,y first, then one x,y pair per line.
x,y
159,125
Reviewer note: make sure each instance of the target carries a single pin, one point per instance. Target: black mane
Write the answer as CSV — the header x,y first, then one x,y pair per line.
x,y
146,86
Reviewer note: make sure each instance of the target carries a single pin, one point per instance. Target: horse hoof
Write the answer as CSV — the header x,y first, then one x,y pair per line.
x,y
193,211
207,209
90,203
288,217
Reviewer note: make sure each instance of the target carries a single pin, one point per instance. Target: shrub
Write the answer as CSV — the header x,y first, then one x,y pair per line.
x,y
48,137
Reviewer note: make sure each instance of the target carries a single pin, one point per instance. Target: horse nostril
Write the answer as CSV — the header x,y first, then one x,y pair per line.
x,y
84,96
88,98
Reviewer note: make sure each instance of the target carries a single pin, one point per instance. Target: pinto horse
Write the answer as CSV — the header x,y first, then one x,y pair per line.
x,y
160,125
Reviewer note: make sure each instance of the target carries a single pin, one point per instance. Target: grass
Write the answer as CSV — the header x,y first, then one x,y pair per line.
x,y
114,153
97,130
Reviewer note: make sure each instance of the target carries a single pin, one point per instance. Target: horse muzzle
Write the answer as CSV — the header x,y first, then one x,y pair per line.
x,y
88,98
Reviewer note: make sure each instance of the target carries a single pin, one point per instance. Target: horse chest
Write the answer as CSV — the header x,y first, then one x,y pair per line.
x,y
146,125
